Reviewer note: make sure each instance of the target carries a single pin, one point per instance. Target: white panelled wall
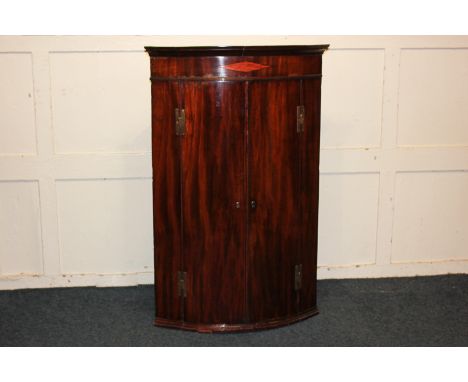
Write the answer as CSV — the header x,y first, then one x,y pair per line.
x,y
75,157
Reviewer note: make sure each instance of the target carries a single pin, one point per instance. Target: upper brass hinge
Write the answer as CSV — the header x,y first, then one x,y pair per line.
x,y
181,286
298,277
300,113
180,121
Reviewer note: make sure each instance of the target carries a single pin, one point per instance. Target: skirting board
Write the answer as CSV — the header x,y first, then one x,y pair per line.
x,y
25,281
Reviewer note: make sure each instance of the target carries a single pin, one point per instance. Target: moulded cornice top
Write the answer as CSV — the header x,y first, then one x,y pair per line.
x,y
263,50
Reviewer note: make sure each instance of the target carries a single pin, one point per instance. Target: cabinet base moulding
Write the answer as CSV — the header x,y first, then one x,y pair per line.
x,y
228,328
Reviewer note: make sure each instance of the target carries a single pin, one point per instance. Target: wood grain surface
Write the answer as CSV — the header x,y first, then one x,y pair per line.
x,y
236,195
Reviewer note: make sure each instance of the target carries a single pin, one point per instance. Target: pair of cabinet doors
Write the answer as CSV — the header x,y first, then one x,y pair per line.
x,y
235,199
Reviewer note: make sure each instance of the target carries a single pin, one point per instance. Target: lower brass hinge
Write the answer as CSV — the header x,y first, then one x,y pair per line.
x,y
181,287
300,114
180,121
298,277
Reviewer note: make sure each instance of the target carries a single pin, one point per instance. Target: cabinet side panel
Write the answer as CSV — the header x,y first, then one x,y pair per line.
x,y
309,159
166,200
213,202
273,185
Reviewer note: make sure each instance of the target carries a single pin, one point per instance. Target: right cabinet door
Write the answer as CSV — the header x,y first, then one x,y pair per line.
x,y
283,173
274,236
309,150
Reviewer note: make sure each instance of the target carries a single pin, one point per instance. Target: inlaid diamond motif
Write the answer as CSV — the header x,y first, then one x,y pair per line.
x,y
245,66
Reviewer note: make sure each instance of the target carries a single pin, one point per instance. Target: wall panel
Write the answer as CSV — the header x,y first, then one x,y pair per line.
x,y
357,88
431,217
20,229
348,219
433,97
17,115
100,101
105,225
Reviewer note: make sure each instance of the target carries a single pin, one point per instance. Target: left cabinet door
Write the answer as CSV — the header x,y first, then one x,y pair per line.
x,y
167,222
213,202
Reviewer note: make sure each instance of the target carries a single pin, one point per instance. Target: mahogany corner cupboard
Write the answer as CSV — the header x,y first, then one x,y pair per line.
x,y
235,140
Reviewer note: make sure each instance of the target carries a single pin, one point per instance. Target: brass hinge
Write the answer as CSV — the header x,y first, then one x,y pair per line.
x,y
298,277
181,287
180,121
300,113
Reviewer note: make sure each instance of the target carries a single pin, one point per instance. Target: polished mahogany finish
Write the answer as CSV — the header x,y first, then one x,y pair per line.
x,y
216,68
235,138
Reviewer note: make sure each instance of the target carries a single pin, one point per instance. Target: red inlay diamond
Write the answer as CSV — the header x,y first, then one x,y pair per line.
x,y
245,66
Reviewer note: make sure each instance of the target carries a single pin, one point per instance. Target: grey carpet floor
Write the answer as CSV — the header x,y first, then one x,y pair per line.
x,y
418,311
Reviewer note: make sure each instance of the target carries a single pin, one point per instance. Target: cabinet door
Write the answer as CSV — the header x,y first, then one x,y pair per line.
x,y
213,201
166,200
309,144
273,232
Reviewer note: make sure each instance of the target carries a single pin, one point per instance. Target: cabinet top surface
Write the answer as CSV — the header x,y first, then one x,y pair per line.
x,y
251,50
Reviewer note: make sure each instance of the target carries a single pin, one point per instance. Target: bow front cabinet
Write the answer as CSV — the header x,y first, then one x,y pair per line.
x,y
235,145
